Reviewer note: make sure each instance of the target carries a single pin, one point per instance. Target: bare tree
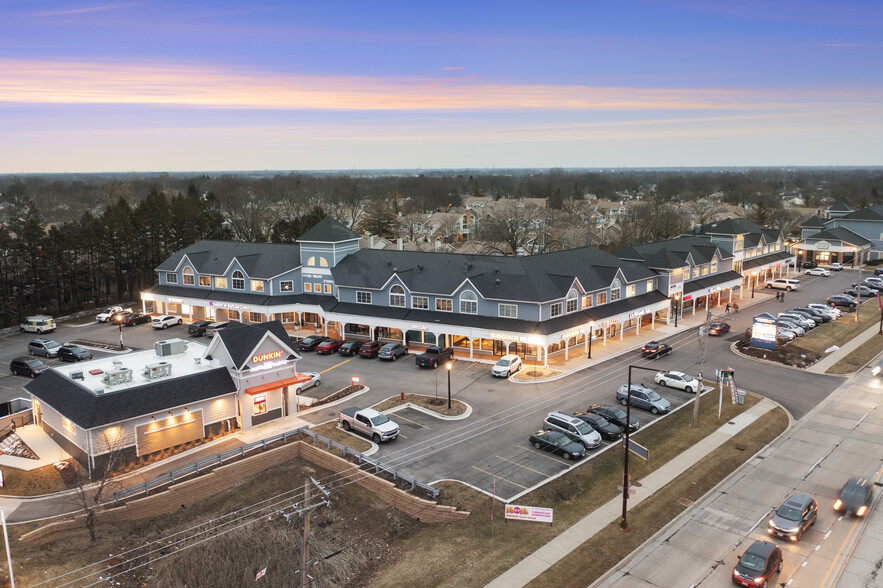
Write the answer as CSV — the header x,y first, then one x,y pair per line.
x,y
90,494
511,226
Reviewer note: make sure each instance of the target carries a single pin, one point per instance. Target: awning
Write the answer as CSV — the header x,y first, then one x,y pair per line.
x,y
298,379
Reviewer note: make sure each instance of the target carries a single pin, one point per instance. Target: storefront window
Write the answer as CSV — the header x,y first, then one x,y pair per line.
x,y
255,317
260,404
287,317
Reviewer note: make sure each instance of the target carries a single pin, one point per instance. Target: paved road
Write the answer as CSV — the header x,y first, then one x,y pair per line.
x,y
840,439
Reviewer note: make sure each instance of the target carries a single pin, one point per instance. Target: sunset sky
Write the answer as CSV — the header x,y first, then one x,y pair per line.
x,y
290,85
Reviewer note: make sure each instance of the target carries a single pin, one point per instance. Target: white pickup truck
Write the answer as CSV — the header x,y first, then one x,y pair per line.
x,y
368,422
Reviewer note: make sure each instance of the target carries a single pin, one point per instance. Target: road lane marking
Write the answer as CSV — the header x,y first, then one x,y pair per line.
x,y
839,551
336,366
541,454
523,466
499,477
398,416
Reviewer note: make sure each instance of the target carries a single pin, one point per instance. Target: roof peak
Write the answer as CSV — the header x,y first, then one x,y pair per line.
x,y
328,230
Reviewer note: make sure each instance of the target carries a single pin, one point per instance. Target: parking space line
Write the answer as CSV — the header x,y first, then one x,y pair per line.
x,y
336,366
523,466
398,416
541,454
499,477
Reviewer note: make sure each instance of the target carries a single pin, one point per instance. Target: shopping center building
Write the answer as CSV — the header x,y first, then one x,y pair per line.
x,y
536,306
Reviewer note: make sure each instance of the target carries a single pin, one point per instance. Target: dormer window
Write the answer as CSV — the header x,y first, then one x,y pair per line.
x,y
615,291
323,262
238,280
188,276
468,303
572,300
397,296
311,261
714,265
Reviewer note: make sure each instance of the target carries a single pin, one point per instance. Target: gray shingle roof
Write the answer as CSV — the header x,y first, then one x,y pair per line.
x,y
707,282
731,226
765,259
813,222
535,278
872,213
88,410
840,206
259,260
673,253
240,340
839,234
326,302
328,230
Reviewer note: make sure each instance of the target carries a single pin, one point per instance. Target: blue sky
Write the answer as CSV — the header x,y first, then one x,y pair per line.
x,y
157,85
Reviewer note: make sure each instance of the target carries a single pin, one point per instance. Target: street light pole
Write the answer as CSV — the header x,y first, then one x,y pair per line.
x,y
624,525
448,365
120,325
753,283
677,307
591,332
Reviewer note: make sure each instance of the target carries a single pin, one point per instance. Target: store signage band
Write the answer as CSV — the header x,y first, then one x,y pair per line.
x,y
229,305
266,356
610,323
188,419
506,337
571,334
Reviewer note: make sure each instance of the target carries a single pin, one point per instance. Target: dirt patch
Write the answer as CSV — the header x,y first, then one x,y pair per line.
x,y
436,404
535,373
57,477
789,354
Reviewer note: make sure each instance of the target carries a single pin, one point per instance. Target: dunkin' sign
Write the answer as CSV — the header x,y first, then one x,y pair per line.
x,y
266,356
529,513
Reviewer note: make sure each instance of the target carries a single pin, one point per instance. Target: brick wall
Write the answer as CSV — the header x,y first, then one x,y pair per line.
x,y
195,490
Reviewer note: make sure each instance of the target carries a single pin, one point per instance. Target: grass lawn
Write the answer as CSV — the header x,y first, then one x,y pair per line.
x,y
436,404
858,357
483,549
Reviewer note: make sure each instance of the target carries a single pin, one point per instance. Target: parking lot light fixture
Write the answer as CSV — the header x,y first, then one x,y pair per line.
x,y
754,283
448,365
120,325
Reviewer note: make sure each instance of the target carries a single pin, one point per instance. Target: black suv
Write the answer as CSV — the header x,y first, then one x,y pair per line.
x,y
608,430
794,517
615,415
73,353
855,497
310,343
27,366
655,349
197,329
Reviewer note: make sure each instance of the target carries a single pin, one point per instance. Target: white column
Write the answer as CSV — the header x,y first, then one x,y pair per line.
x,y
621,331
604,335
470,347
652,321
545,356
694,306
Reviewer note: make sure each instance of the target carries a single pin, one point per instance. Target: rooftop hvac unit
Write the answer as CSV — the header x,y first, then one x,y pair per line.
x,y
154,371
77,375
117,364
170,347
114,377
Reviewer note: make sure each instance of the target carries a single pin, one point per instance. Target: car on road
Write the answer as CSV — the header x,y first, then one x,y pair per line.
x,y
506,366
350,347
718,328
615,415
329,346
842,301
392,351
655,349
577,430
643,397
164,321
198,328
44,347
315,380
27,366
370,349
678,380
794,517
758,565
786,284
605,428
216,327
855,497
136,318
557,443
38,324
861,290
836,267
310,343
817,271
73,353
106,314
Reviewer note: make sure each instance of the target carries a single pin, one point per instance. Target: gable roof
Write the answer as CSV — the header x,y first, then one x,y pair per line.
x,y
328,230
88,410
872,213
675,253
839,234
259,260
240,339
813,222
840,206
731,226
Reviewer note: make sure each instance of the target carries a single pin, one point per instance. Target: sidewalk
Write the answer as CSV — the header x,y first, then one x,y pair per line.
x,y
821,366
543,558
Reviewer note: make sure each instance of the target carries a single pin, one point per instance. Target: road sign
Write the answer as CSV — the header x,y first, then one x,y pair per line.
x,y
638,450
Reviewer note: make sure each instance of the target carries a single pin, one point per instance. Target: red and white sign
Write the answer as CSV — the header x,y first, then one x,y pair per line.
x,y
529,513
260,574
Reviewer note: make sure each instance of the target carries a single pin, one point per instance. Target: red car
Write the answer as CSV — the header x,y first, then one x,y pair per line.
x,y
758,565
329,346
370,349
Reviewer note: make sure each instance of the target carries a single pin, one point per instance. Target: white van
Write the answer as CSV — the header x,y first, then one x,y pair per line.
x,y
787,284
38,324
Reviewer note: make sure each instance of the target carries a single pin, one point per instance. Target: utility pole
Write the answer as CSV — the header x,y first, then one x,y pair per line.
x,y
704,344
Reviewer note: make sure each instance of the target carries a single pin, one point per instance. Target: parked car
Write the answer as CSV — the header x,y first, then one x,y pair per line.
x,y
605,428
164,321
350,347
655,349
434,356
861,290
557,443
329,346
784,335
575,429
392,351
718,328
216,327
315,380
786,322
805,322
834,313
817,271
794,517
878,271
836,267
826,318
678,380
105,315
198,328
874,281
310,343
38,324
643,397
370,349
808,264
73,353
786,284
136,318
44,347
27,366
758,565
615,415
842,301
810,316
368,422
506,366
855,497
120,316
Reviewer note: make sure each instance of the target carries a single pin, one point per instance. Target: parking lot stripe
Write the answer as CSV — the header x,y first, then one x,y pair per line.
x,y
336,366
536,451
398,416
499,478
523,466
